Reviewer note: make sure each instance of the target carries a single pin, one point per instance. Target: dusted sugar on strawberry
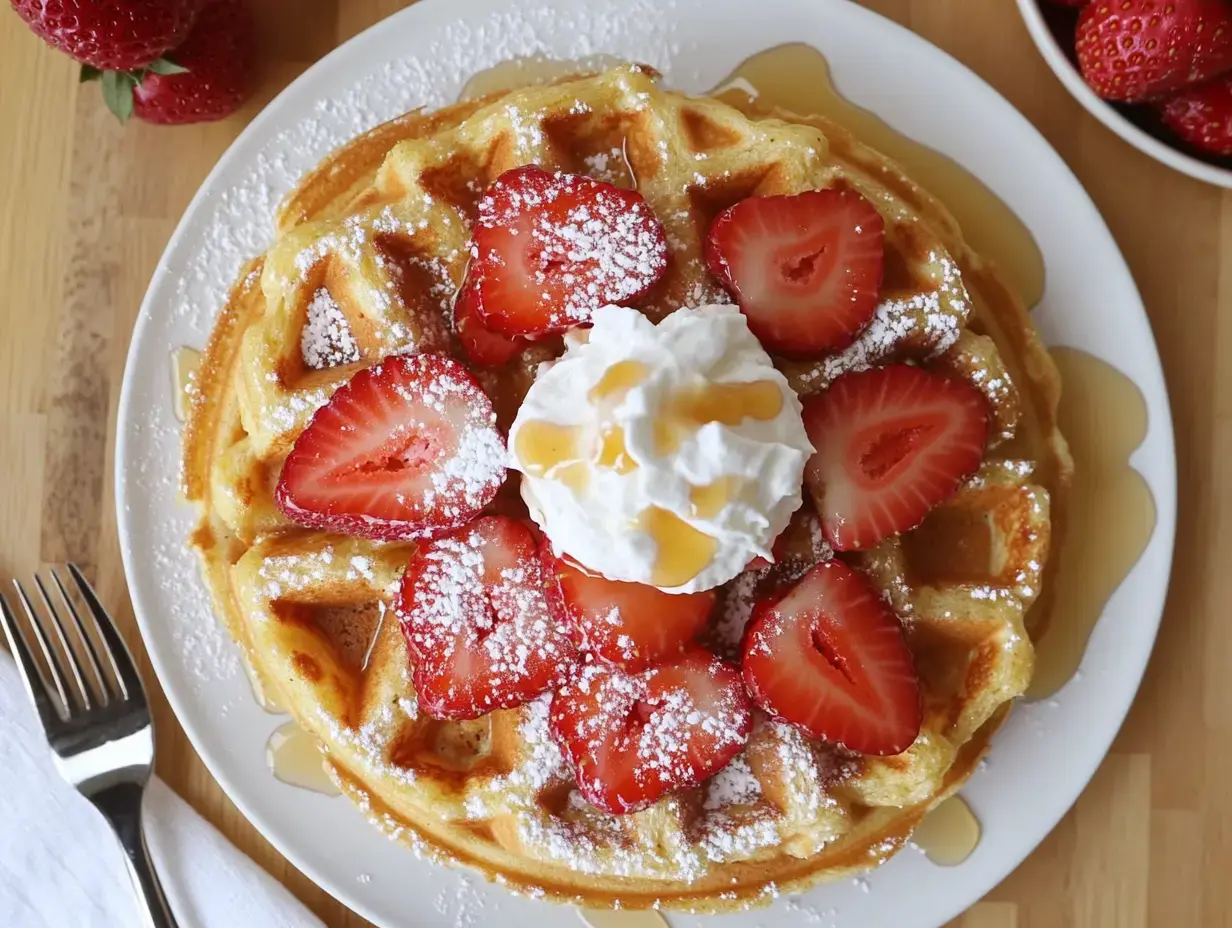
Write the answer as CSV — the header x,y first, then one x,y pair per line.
x,y
551,248
631,625
476,622
892,443
830,658
632,738
404,450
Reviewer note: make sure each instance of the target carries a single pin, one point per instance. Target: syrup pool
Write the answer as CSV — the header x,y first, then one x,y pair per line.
x,y
294,758
1110,513
949,833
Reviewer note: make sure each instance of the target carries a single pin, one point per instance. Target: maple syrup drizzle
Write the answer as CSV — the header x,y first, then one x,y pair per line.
x,y
184,364
707,501
616,918
797,77
261,691
1110,515
294,758
949,833
681,551
726,403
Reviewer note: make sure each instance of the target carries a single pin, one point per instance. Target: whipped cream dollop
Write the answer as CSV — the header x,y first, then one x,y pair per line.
x,y
667,454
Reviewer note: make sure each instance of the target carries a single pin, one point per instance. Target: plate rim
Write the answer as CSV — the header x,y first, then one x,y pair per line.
x,y
1164,532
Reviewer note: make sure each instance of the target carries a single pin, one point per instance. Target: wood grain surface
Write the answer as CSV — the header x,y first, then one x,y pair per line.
x,y
86,208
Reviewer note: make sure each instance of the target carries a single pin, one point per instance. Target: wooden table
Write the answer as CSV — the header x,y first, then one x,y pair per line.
x,y
87,208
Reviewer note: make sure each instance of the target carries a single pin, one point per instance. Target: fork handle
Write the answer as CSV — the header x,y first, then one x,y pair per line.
x,y
121,804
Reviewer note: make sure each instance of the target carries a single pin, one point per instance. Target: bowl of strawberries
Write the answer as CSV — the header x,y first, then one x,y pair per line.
x,y
1158,73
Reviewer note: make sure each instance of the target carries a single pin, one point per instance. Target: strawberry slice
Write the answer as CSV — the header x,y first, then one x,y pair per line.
x,y
830,658
630,625
892,443
476,622
805,269
481,345
406,449
553,248
632,738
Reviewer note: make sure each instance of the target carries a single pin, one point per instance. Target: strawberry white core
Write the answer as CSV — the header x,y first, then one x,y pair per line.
x,y
667,454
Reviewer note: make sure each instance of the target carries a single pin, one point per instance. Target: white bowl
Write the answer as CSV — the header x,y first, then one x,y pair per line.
x,y
1146,143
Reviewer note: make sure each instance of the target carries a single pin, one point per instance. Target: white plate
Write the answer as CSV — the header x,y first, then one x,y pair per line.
x,y
422,56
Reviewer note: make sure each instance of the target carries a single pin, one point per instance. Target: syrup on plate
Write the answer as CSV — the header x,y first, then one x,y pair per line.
x,y
614,918
949,833
1110,515
294,758
184,364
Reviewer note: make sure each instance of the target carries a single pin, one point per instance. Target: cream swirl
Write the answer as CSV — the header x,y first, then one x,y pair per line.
x,y
667,454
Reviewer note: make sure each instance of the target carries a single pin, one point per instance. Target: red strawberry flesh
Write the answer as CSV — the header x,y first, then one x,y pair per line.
x,y
805,269
481,345
406,449
892,443
552,248
830,658
630,625
631,739
476,622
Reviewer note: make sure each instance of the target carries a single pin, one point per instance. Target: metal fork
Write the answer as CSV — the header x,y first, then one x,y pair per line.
x,y
102,742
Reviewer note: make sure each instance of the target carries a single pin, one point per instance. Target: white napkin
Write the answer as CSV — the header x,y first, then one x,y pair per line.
x,y
60,864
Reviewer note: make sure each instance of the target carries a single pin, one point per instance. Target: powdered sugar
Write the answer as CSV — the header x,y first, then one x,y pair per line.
x,y
734,785
481,642
596,244
927,323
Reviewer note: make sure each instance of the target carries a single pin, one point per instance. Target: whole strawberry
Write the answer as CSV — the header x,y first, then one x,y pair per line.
x,y
110,35
1202,115
1134,50
217,60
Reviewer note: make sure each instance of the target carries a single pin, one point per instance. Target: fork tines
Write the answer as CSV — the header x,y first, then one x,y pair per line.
x,y
59,687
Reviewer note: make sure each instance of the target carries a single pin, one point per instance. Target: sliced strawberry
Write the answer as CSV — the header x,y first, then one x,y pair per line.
x,y
481,345
892,443
553,248
406,449
830,658
632,738
476,622
805,269
630,625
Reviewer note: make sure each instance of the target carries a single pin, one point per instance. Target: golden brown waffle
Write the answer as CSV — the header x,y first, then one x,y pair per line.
x,y
370,250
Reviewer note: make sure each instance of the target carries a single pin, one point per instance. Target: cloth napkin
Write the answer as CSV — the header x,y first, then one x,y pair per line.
x,y
60,864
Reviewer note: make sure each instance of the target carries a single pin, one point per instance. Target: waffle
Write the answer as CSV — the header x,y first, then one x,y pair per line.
x,y
370,250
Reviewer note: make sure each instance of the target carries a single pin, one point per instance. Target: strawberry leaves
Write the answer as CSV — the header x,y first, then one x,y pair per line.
x,y
118,86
